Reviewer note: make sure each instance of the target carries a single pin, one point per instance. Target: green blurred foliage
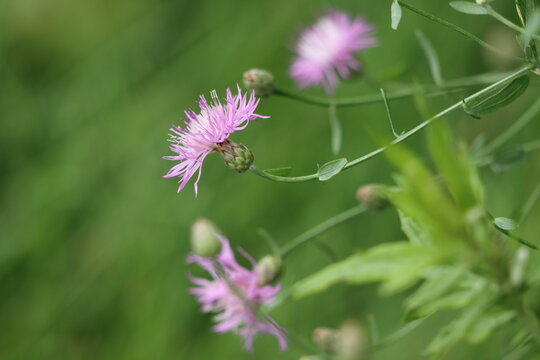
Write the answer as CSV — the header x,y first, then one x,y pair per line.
x,y
93,240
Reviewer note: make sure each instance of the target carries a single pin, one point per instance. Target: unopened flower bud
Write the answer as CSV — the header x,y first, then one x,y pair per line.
x,y
347,343
327,340
269,269
372,197
481,2
236,156
352,341
260,81
204,238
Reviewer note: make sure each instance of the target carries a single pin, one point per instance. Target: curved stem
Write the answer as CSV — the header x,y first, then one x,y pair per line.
x,y
449,87
322,227
401,138
494,14
455,28
363,100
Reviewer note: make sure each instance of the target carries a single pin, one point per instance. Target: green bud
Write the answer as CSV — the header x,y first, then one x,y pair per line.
x,y
260,81
236,156
372,197
269,269
204,239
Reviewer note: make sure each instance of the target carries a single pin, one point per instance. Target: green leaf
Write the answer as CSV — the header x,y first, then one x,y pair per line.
x,y
398,264
410,228
505,223
460,290
488,323
431,55
477,107
335,128
438,283
395,12
331,169
512,236
469,8
458,171
505,159
525,8
532,27
282,171
458,329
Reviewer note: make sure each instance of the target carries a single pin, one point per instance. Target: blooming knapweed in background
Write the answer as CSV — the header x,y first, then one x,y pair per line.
x,y
209,131
234,293
325,51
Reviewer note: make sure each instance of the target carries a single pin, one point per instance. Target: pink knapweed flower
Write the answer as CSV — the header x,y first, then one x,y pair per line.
x,y
236,297
207,131
326,49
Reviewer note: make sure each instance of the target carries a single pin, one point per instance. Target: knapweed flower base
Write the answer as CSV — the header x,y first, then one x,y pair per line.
x,y
235,295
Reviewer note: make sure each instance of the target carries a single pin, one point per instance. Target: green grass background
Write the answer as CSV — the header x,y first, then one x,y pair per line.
x,y
93,239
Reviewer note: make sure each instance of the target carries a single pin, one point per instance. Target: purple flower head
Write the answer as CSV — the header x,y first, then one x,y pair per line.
x,y
207,131
233,293
325,50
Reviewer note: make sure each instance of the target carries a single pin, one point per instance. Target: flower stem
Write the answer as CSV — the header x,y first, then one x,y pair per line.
x,y
399,139
494,14
322,227
455,28
431,91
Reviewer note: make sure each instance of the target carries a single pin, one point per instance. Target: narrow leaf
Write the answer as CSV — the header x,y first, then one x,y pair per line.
x,y
332,168
469,8
395,13
532,27
432,58
282,171
388,113
335,128
505,223
476,107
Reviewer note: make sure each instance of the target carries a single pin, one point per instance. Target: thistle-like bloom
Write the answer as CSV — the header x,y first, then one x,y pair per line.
x,y
325,50
208,132
235,296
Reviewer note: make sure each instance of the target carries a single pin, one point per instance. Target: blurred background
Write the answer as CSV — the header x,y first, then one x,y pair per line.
x,y
93,240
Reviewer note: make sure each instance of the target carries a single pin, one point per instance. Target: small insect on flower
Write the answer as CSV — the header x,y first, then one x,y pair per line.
x,y
235,295
209,131
325,50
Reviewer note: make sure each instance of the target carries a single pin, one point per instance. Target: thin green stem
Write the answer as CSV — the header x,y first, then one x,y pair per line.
x,y
494,14
529,205
399,139
363,100
523,120
431,91
531,146
455,28
322,227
